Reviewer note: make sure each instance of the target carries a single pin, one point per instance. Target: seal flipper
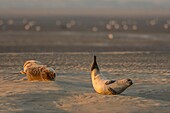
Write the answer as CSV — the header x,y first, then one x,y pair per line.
x,y
113,92
94,65
110,82
22,72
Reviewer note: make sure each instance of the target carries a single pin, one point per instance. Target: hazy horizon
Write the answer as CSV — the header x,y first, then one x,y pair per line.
x,y
84,7
84,4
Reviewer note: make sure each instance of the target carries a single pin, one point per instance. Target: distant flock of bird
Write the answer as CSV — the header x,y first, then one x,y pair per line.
x,y
36,71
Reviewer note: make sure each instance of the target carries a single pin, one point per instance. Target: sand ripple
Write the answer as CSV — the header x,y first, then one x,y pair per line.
x,y
72,91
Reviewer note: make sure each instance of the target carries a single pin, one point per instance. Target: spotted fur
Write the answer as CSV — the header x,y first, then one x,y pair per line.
x,y
34,70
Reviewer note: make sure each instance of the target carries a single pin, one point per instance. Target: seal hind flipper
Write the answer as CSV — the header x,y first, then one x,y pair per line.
x,y
22,72
113,92
110,82
94,65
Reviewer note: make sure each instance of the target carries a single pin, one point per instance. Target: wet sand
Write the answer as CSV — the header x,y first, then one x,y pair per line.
x,y
141,56
82,42
72,91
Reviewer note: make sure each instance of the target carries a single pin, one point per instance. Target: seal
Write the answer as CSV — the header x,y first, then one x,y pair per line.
x,y
34,70
40,73
102,85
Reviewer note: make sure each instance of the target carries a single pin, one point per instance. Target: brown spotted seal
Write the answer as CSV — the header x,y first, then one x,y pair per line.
x,y
34,70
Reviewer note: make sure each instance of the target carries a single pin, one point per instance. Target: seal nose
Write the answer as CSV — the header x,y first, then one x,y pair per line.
x,y
130,81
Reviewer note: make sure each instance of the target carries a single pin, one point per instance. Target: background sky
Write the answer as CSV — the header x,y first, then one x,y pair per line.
x,y
83,6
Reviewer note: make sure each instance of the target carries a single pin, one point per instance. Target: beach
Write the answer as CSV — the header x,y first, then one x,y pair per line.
x,y
142,57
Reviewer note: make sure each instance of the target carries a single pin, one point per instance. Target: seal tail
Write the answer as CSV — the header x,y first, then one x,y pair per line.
x,y
22,72
94,65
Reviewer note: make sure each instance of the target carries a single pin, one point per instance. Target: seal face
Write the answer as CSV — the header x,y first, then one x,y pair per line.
x,y
34,70
102,85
